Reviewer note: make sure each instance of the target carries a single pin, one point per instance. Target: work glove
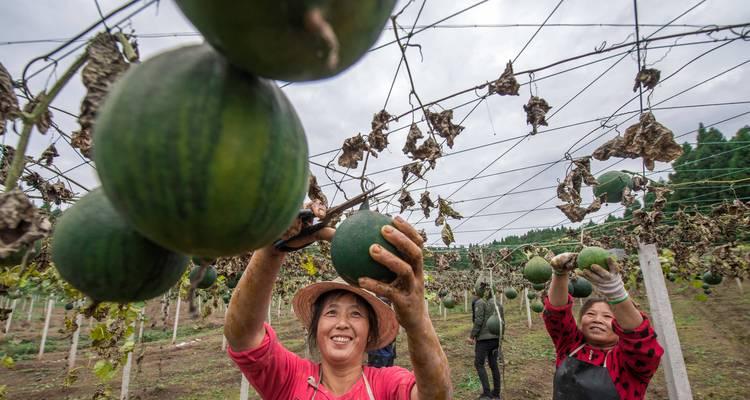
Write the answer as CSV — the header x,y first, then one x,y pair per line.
x,y
564,263
608,283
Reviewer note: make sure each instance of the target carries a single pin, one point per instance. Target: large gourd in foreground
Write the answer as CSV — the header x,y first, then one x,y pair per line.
x,y
200,157
103,257
290,40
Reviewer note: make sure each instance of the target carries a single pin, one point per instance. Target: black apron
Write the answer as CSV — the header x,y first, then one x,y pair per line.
x,y
579,380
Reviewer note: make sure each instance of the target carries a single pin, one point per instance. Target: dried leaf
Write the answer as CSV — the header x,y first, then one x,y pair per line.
x,y
414,168
8,153
104,66
423,234
647,138
506,84
426,203
314,192
21,224
353,151
405,200
536,111
647,77
45,120
447,235
56,193
628,197
445,210
9,109
428,151
49,154
377,139
577,213
569,190
411,139
443,123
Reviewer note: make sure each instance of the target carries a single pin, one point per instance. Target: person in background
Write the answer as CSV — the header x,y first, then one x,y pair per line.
x,y
486,344
385,356
614,353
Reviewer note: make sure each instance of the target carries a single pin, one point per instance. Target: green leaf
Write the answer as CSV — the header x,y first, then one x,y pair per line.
x,y
104,370
701,297
100,332
697,284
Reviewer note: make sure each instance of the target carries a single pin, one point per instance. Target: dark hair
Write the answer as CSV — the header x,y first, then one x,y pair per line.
x,y
373,334
590,303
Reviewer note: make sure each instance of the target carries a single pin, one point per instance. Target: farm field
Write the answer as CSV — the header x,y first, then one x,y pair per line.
x,y
714,337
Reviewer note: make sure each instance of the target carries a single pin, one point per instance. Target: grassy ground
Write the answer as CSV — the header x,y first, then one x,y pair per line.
x,y
714,335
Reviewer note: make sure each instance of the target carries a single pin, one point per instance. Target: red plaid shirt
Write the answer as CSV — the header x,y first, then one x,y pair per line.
x,y
632,362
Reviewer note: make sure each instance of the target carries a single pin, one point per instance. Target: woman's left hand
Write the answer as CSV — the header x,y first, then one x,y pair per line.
x,y
609,283
407,290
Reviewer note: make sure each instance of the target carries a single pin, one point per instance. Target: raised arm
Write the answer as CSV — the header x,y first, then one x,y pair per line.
x,y
558,289
407,294
610,284
252,297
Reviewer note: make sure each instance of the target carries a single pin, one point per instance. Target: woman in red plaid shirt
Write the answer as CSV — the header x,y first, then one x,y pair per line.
x,y
615,353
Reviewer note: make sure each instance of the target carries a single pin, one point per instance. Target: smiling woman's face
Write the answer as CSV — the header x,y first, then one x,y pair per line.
x,y
343,330
596,324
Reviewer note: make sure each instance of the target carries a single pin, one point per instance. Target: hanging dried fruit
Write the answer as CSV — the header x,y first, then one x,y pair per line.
x,y
104,66
377,139
447,235
405,200
411,139
647,138
353,151
506,84
536,111
9,109
442,122
648,78
426,203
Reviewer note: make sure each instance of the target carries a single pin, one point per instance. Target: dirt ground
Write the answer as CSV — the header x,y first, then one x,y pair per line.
x,y
714,335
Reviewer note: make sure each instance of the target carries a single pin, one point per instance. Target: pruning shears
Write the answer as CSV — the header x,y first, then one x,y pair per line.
x,y
310,226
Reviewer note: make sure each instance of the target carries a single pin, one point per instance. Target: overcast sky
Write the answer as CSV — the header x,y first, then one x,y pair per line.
x,y
466,50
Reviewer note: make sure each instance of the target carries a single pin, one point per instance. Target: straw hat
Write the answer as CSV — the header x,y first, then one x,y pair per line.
x,y
387,324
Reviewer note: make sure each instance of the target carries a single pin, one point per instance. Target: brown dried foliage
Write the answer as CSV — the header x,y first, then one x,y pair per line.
x,y
648,78
45,120
21,224
414,168
447,235
506,84
405,200
647,138
445,210
49,154
443,124
426,203
377,139
536,111
353,151
314,192
9,109
104,66
411,139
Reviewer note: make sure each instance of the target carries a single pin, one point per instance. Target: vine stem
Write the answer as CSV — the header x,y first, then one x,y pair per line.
x,y
30,119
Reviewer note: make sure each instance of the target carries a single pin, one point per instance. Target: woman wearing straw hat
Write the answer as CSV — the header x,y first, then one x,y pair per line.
x,y
343,323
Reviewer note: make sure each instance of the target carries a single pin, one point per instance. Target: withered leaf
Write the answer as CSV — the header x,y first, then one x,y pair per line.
x,y
104,66
377,139
45,120
628,197
447,235
445,210
577,213
429,151
49,154
33,179
414,168
9,109
506,84
442,122
639,182
569,190
314,192
423,234
21,224
647,139
536,111
56,193
647,77
353,151
405,200
426,203
411,139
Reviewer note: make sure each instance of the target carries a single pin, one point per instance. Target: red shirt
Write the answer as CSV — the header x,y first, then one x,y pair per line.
x,y
277,373
631,363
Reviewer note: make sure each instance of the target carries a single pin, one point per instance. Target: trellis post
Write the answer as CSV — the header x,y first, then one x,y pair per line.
x,y
672,362
74,344
10,316
31,309
528,307
50,304
466,301
176,319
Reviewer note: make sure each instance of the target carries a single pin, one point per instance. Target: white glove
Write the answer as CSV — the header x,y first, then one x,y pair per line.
x,y
607,283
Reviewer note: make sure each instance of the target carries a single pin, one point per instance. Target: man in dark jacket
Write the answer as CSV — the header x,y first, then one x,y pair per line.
x,y
486,343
